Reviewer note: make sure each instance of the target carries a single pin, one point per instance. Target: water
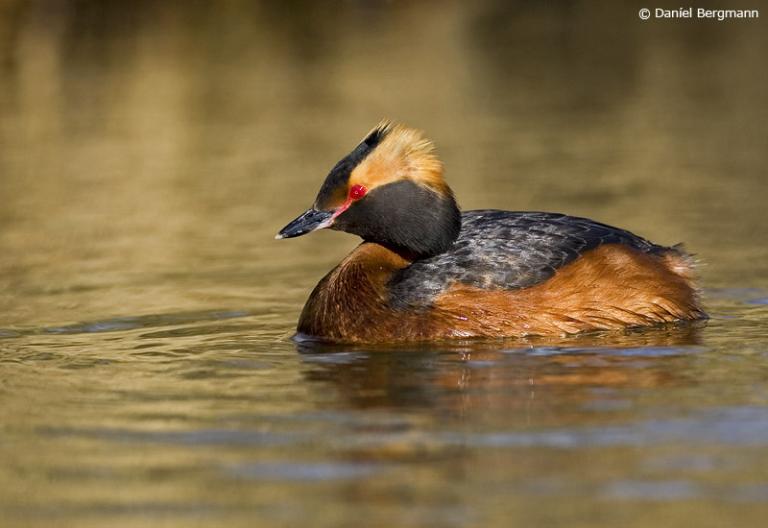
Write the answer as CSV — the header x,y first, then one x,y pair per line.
x,y
149,153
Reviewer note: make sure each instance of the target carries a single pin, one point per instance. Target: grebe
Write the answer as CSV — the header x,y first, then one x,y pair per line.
x,y
426,271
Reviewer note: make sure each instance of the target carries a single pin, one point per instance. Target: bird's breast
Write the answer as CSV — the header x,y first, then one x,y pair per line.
x,y
351,301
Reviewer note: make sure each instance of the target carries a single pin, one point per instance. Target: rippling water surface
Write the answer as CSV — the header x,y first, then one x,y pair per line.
x,y
150,151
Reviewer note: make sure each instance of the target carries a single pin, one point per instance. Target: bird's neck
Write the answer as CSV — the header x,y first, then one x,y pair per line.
x,y
432,230
425,223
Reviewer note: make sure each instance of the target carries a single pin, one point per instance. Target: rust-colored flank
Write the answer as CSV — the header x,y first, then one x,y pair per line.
x,y
608,288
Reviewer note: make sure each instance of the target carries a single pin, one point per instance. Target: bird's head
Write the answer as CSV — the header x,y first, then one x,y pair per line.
x,y
389,190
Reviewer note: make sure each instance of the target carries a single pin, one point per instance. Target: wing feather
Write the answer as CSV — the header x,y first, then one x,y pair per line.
x,y
505,250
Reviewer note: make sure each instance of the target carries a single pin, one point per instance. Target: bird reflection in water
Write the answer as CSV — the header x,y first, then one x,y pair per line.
x,y
502,374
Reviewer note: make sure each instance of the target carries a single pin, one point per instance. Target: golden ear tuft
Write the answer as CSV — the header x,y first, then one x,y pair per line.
x,y
400,153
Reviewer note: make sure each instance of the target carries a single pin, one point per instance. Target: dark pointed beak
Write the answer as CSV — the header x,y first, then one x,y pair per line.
x,y
310,220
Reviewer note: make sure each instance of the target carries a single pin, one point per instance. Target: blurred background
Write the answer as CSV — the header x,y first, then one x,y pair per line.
x,y
150,150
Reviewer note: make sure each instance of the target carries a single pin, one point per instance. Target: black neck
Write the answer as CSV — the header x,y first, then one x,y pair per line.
x,y
410,219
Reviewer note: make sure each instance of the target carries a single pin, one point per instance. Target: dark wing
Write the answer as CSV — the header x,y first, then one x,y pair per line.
x,y
507,250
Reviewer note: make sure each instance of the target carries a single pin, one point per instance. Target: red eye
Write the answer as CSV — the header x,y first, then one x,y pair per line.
x,y
357,191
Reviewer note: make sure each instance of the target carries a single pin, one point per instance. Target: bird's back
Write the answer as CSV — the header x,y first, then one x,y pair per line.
x,y
505,250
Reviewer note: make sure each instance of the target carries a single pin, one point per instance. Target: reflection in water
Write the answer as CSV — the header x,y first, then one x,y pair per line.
x,y
504,375
150,150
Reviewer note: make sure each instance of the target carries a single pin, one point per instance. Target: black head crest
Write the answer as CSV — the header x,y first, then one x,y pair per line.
x,y
335,182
